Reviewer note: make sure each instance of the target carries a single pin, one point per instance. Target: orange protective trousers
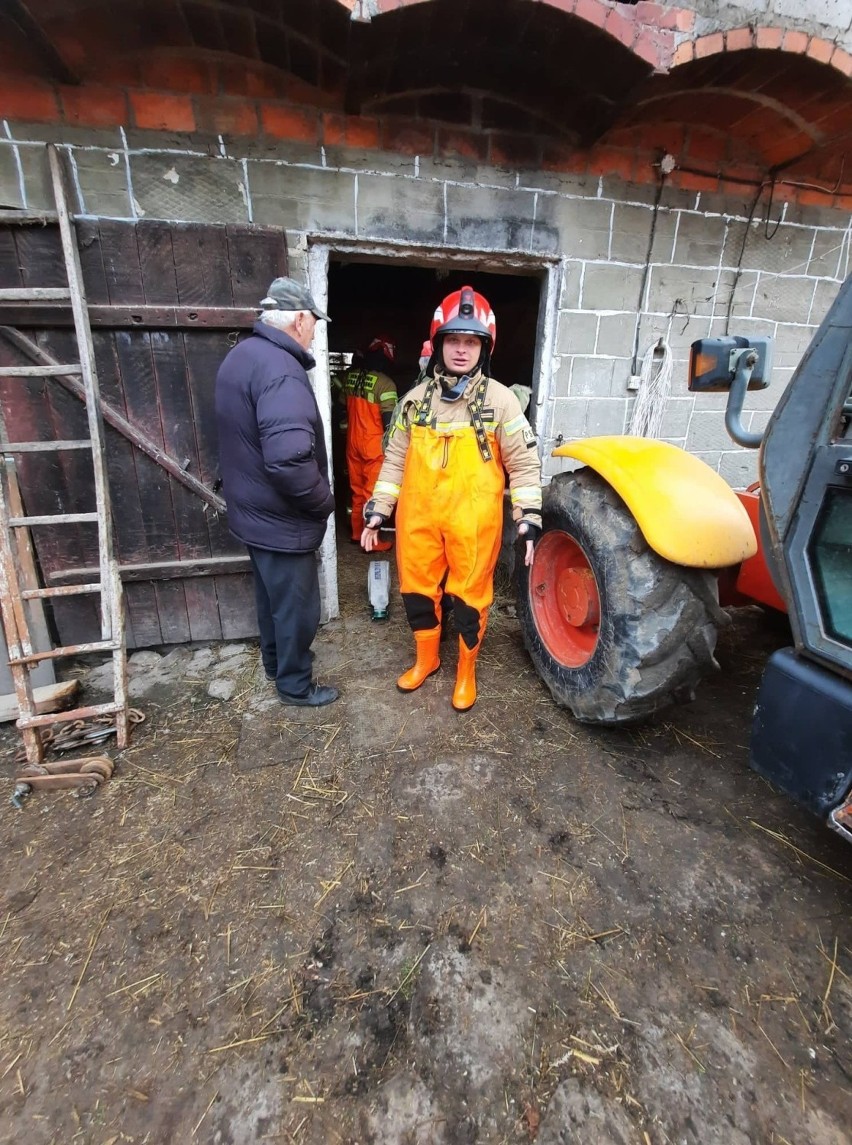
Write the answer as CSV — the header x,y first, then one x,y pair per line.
x,y
449,522
363,455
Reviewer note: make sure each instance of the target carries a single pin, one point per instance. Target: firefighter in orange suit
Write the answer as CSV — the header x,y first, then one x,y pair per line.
x,y
453,436
370,397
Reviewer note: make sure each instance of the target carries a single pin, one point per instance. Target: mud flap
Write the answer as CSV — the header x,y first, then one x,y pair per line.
x,y
801,737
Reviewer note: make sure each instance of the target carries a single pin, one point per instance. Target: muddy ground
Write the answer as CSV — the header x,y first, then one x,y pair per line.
x,y
386,922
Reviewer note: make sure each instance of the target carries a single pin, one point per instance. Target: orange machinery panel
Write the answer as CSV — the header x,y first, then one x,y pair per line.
x,y
753,580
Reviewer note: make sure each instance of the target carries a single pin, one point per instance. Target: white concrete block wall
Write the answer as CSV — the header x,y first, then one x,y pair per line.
x,y
706,268
830,18
705,260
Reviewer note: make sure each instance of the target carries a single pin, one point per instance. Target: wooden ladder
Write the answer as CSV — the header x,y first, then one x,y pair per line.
x,y
13,593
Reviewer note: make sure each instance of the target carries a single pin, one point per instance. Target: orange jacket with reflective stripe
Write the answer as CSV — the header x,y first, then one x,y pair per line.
x,y
368,395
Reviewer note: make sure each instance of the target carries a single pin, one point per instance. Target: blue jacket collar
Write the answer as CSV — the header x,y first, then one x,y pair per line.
x,y
302,356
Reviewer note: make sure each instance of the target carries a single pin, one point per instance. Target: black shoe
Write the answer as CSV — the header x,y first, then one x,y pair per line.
x,y
318,696
270,675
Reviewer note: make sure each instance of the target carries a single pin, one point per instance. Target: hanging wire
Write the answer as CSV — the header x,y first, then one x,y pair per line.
x,y
766,233
655,387
781,182
738,270
647,268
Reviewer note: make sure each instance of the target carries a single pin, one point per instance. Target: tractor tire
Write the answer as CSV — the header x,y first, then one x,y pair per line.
x,y
615,631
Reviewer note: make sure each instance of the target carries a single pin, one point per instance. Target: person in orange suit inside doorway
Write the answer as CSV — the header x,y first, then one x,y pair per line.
x,y
370,397
424,359
454,438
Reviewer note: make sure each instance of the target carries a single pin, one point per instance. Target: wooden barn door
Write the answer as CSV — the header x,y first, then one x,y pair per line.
x,y
167,302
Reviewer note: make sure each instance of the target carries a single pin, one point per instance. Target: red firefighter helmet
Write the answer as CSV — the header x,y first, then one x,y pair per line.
x,y
465,312
384,345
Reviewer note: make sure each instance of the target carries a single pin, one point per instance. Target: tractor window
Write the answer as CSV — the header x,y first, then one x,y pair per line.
x,y
831,559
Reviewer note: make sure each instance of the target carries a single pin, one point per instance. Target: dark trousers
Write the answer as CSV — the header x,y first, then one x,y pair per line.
x,y
287,594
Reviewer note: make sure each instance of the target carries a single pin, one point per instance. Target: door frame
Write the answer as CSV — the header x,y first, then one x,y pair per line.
x,y
320,251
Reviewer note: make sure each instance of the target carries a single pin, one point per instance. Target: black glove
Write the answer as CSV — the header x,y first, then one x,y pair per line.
x,y
370,511
531,531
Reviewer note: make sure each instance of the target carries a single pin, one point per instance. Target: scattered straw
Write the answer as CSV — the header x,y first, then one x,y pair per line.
x,y
204,1114
699,1064
584,1057
12,1064
410,972
410,886
678,732
328,887
833,963
802,854
774,1047
241,1042
139,986
604,996
92,946
479,922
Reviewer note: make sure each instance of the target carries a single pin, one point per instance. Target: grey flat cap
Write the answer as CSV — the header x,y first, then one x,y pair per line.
x,y
287,294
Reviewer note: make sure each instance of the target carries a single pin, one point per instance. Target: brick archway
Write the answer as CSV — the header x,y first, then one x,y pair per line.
x,y
649,30
774,101
766,38
656,33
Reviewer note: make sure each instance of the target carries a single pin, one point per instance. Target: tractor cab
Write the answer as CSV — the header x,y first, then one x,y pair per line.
x,y
802,733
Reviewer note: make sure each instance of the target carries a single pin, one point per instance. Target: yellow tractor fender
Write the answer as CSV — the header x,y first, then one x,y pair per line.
x,y
687,513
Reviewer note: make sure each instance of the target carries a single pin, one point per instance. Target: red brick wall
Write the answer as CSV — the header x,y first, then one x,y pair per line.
x,y
204,99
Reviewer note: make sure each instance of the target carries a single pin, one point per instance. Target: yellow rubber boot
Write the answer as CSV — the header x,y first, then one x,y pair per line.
x,y
428,661
464,693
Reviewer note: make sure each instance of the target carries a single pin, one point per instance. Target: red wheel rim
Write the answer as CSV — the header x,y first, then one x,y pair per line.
x,y
564,599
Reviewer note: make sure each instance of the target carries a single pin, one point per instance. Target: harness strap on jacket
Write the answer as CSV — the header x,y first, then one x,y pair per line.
x,y
425,406
475,410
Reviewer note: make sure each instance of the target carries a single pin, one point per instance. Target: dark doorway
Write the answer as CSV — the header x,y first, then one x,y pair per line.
x,y
378,299
369,299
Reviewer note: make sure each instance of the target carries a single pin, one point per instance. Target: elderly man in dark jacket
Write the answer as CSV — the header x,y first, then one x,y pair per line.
x,y
275,479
